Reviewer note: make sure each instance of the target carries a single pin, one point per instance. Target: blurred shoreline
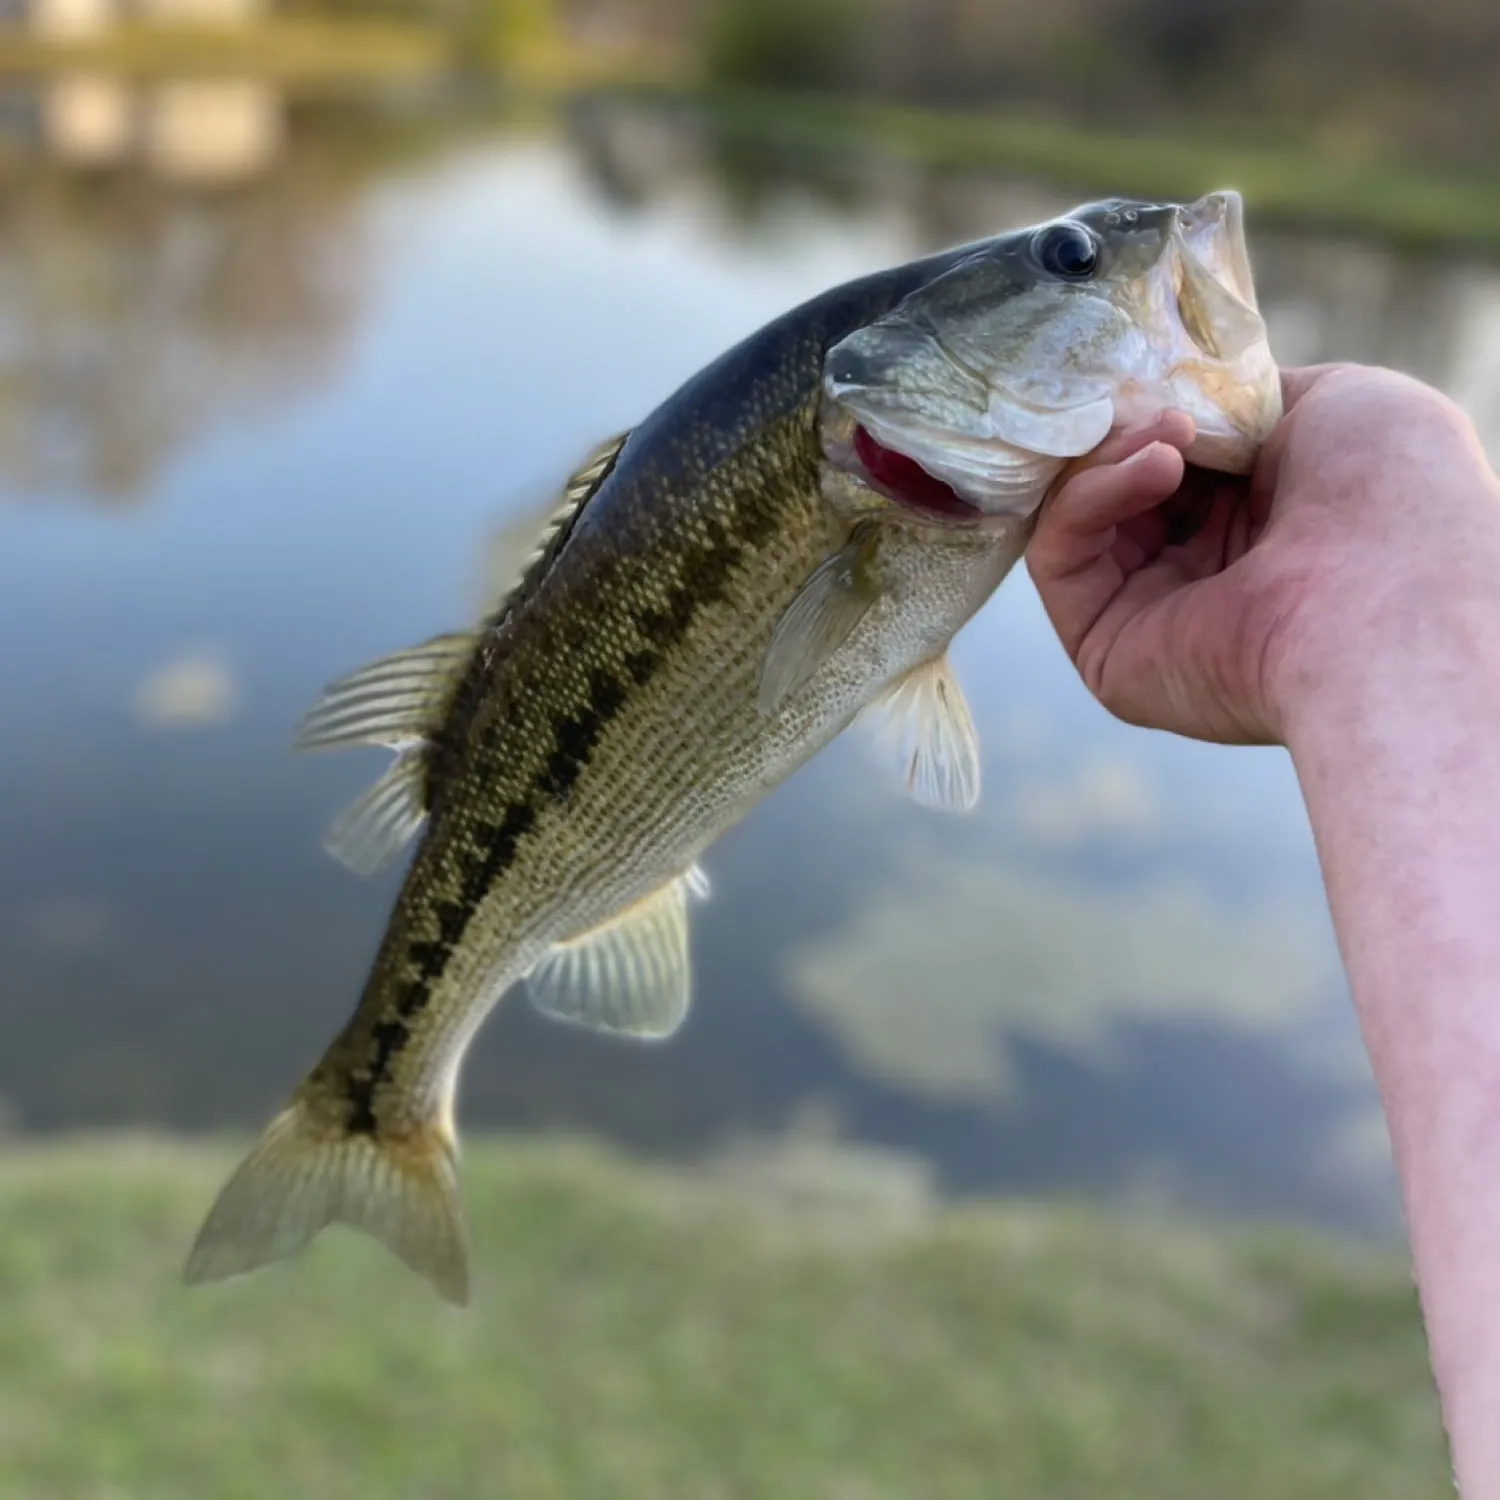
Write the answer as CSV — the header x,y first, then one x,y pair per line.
x,y
1289,183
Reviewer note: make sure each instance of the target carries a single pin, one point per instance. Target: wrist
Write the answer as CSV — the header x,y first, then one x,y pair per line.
x,y
1387,637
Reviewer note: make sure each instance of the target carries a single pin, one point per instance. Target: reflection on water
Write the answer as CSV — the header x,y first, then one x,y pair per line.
x,y
133,316
189,131
336,391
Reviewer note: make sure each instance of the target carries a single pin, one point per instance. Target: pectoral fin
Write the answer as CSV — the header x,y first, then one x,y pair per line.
x,y
818,621
924,724
631,974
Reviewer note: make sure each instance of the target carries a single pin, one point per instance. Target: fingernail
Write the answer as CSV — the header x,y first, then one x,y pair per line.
x,y
1139,455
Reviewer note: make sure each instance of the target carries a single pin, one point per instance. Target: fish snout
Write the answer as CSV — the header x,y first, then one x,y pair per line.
x,y
885,360
854,366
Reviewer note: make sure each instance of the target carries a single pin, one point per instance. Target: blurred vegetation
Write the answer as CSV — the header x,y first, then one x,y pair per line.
x,y
644,1333
254,317
1400,203
1359,79
1339,105
1412,79
294,49
801,44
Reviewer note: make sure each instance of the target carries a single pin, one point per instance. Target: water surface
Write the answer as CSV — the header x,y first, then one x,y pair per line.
x,y
272,407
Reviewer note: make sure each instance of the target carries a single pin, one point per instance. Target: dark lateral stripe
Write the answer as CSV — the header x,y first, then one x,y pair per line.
x,y
442,759
494,848
703,579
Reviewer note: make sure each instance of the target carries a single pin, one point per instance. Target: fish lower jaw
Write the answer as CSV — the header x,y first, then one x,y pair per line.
x,y
941,489
1229,430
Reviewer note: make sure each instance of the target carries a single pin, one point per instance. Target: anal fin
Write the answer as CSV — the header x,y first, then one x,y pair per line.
x,y
630,975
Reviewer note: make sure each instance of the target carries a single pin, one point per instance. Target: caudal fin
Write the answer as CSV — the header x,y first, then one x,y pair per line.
x,y
303,1175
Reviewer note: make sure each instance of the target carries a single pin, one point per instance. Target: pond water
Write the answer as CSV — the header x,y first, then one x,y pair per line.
x,y
276,384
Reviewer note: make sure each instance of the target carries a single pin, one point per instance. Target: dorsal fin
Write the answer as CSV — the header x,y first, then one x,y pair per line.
x,y
581,487
403,700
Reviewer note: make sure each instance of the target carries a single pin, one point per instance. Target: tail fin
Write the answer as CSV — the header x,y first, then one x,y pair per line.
x,y
303,1175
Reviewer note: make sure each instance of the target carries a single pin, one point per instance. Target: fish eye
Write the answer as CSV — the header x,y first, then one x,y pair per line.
x,y
1068,251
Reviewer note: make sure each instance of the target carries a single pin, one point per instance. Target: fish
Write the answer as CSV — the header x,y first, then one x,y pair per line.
x,y
787,544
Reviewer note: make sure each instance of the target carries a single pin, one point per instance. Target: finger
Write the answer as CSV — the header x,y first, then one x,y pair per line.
x,y
1184,514
1140,540
1174,427
1099,499
1204,553
1073,558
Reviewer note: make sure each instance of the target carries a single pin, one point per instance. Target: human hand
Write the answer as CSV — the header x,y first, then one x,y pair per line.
x,y
1209,605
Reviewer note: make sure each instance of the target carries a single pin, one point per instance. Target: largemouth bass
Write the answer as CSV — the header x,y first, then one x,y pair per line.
x,y
788,542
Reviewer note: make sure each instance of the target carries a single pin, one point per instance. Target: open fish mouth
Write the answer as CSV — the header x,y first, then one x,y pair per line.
x,y
925,472
901,478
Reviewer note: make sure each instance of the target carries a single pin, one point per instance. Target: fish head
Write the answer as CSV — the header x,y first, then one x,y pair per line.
x,y
970,396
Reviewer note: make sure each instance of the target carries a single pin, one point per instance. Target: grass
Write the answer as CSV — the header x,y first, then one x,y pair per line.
x,y
1300,186
640,1333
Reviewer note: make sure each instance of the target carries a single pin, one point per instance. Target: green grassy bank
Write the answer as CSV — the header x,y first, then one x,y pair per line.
x,y
1299,186
646,1334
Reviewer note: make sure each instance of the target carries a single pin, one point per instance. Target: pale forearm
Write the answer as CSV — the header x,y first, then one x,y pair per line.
x,y
1345,602
1394,727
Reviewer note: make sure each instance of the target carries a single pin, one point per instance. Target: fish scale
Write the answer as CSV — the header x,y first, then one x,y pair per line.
x,y
718,597
520,782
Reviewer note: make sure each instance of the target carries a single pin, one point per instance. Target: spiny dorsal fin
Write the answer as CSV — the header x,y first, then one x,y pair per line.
x,y
403,700
581,487
630,975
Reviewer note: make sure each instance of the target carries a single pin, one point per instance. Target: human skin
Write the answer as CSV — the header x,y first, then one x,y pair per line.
x,y
1344,601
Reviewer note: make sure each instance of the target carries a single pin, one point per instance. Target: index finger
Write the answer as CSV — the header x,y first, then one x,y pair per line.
x,y
1173,427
